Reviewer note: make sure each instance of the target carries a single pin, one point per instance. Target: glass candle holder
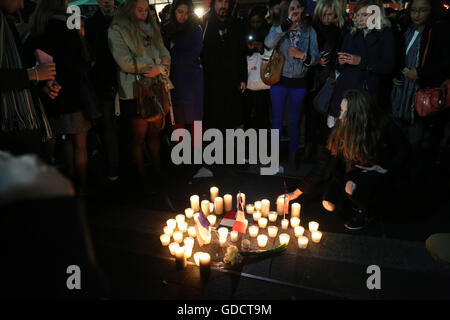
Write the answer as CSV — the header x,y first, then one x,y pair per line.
x,y
172,223
284,239
316,236
173,247
189,213
165,239
223,232
284,224
299,230
295,222
250,209
182,226
189,242
272,231
178,236
273,216
256,216
168,230
313,226
262,240
302,242
234,236
180,218
192,232
253,231
262,223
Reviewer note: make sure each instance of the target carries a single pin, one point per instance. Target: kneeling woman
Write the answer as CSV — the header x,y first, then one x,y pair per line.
x,y
363,163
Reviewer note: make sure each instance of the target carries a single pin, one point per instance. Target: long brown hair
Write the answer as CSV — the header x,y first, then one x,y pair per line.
x,y
45,9
335,6
357,136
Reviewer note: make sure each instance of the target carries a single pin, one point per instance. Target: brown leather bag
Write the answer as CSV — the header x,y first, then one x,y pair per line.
x,y
271,68
430,101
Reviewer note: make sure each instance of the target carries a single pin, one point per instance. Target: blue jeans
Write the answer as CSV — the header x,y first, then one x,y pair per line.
x,y
279,95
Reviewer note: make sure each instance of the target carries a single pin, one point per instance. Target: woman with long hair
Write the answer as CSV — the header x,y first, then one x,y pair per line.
x,y
136,44
364,163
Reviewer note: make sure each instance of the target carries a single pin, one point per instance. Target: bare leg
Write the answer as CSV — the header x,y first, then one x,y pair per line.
x,y
154,144
138,133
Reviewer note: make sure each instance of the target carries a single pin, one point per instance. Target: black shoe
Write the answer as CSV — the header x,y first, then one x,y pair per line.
x,y
358,221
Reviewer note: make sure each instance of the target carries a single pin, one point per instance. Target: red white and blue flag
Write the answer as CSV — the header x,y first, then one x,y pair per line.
x,y
203,228
240,225
286,203
228,220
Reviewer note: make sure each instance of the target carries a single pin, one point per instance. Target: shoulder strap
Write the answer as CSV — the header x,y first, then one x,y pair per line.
x,y
426,48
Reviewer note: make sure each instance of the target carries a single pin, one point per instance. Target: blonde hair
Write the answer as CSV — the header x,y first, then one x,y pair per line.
x,y
335,6
366,3
45,9
126,14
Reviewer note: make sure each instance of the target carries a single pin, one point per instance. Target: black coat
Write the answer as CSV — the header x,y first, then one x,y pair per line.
x,y
224,63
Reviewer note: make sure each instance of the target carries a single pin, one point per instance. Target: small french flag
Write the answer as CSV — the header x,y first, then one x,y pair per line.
x,y
240,225
203,228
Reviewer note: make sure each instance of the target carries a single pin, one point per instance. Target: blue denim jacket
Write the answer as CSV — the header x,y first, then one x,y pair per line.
x,y
294,67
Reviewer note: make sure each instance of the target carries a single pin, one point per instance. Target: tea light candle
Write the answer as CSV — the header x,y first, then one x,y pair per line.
x,y
223,232
250,208
212,219
253,231
189,242
187,251
180,218
218,205
197,258
182,227
205,207
273,216
299,230
284,224
295,210
223,241
189,213
284,238
180,258
165,239
295,222
258,206
168,231
265,207
243,198
228,202
195,203
213,192
257,216
234,235
313,226
262,240
272,231
205,263
316,236
262,223
280,205
192,232
302,242
178,236
173,247
172,223
211,207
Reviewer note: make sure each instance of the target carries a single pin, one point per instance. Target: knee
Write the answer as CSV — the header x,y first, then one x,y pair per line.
x,y
329,206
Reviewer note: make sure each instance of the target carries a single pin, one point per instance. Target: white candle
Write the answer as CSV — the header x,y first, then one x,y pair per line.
x,y
180,218
173,247
196,216
234,235
189,213
295,222
257,216
228,200
250,208
172,223
168,231
165,239
205,207
280,205
273,216
295,210
313,226
253,231
284,238
205,263
211,207
316,236
262,223
178,236
187,251
299,230
223,232
262,240
218,205
223,241
195,203
197,258
189,242
180,258
243,198
284,224
258,206
214,192
272,231
302,242
192,232
182,226
212,219
265,207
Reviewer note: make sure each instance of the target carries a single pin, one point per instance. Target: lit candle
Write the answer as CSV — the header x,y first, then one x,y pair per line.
x,y
295,222
178,236
228,199
257,216
197,258
187,251
302,242
295,210
273,216
280,205
265,207
189,242
262,240
223,232
211,207
172,223
165,239
299,230
173,247
258,206
205,264
182,226
313,226
284,238
234,235
223,241
192,232
218,205
196,216
253,231
205,207
250,208
212,219
180,218
284,224
168,231
195,203
316,236
262,223
243,198
189,213
180,258
272,231
214,192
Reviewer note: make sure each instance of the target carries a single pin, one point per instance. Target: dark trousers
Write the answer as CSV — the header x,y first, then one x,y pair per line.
x,y
257,109
109,135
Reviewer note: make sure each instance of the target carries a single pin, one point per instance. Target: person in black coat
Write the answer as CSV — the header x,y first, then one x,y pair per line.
x,y
224,64
363,164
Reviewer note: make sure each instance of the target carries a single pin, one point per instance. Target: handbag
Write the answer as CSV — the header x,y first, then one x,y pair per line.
x,y
430,101
271,67
322,100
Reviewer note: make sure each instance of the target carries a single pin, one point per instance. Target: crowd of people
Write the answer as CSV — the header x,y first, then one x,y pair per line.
x,y
75,89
